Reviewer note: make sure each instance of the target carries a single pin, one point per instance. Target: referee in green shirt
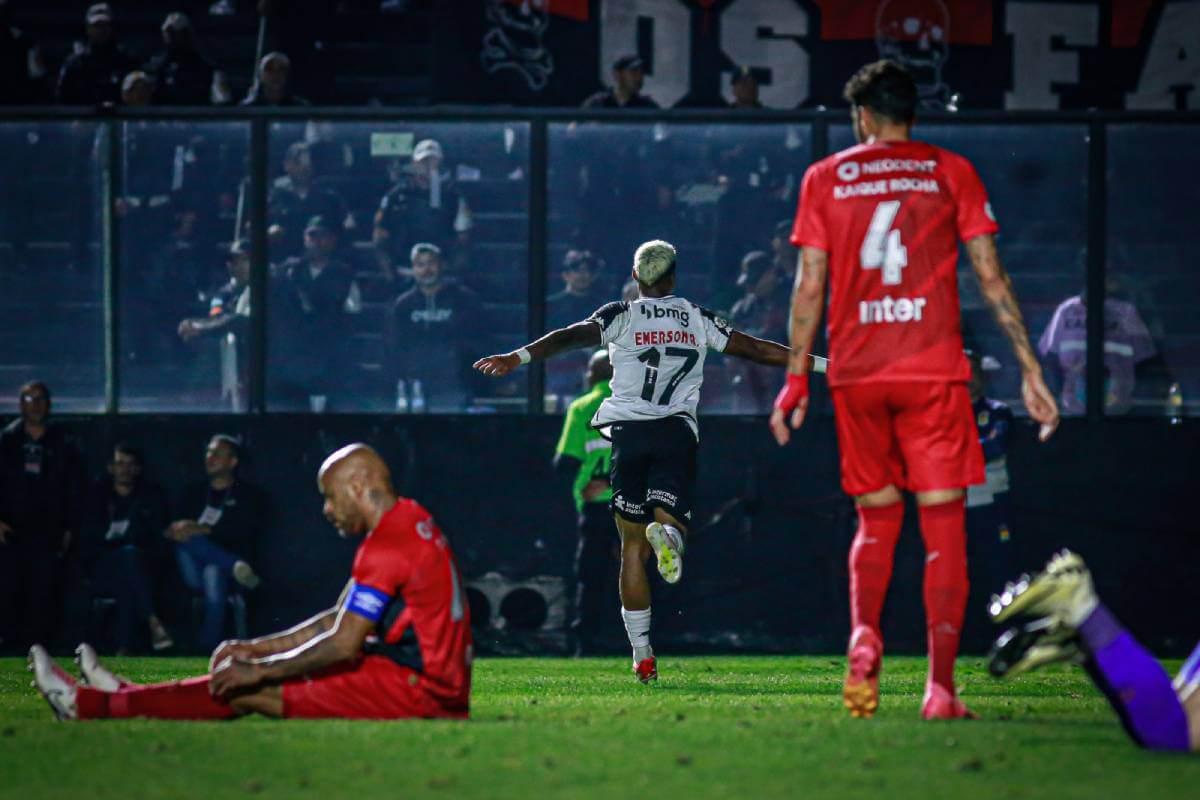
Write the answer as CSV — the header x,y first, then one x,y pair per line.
x,y
584,453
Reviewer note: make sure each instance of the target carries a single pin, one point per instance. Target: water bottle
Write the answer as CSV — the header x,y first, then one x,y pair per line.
x,y
1175,405
401,397
418,398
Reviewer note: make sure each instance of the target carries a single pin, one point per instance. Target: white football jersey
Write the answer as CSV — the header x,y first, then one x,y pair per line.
x,y
657,347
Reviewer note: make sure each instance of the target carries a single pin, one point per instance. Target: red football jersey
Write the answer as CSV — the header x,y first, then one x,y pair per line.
x,y
406,581
890,216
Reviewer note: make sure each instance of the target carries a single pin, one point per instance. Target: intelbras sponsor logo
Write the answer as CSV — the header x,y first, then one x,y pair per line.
x,y
629,508
889,309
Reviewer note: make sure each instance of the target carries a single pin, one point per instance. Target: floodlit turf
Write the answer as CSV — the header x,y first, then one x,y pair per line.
x,y
727,727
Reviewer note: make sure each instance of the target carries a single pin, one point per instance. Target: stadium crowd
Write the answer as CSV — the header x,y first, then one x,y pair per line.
x,y
412,249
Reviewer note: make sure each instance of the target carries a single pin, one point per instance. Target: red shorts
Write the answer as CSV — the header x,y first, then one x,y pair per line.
x,y
372,688
914,436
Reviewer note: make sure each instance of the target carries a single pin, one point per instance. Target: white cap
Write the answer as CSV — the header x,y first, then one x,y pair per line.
x,y
653,260
99,12
176,21
426,148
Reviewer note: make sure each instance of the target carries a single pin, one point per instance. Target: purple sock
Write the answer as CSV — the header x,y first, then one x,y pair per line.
x,y
1134,683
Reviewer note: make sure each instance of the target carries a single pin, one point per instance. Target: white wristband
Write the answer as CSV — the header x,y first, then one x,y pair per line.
x,y
819,364
523,354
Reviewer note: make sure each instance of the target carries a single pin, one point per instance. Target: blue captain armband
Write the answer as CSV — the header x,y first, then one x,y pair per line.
x,y
367,602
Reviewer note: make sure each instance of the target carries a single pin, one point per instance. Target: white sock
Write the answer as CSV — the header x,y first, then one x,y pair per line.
x,y
674,537
637,625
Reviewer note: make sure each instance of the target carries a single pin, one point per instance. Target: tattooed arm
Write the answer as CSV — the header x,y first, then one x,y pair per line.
x,y
808,296
997,289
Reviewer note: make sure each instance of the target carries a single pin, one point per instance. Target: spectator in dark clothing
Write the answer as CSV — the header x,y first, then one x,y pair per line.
x,y
228,313
271,87
171,277
294,200
783,253
183,75
423,205
220,521
756,180
229,306
122,526
762,311
582,272
744,84
431,330
21,63
92,75
318,297
137,89
41,481
628,79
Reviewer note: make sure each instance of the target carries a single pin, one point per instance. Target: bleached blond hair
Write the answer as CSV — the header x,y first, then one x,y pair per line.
x,y
653,260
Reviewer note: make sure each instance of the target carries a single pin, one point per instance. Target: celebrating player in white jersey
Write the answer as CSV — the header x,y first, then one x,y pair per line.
x,y
657,345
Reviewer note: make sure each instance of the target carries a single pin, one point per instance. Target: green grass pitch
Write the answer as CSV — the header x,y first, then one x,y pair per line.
x,y
722,727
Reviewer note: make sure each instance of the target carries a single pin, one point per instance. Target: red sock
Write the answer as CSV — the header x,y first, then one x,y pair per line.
x,y
187,699
943,527
871,563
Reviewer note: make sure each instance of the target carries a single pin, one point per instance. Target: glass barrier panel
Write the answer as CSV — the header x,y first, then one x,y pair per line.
x,y
399,256
183,282
1151,329
724,195
51,262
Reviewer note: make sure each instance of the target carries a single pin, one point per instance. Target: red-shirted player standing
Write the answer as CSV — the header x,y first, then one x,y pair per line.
x,y
883,220
397,644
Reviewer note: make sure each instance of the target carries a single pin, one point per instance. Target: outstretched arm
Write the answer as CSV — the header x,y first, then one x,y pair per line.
x,y
764,351
760,351
807,297
572,337
997,289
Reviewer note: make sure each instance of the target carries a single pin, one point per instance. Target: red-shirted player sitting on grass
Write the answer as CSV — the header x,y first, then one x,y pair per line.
x,y
397,644
883,220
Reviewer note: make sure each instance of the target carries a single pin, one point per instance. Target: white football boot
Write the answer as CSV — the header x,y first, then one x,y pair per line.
x,y
95,674
669,551
1062,592
56,686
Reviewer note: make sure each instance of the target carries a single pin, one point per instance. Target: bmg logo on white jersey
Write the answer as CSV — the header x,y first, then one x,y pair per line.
x,y
659,312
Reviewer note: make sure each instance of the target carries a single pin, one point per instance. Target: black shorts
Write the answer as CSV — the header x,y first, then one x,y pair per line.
x,y
653,464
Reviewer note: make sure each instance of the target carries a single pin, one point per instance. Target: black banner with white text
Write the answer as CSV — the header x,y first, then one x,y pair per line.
x,y
1018,54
